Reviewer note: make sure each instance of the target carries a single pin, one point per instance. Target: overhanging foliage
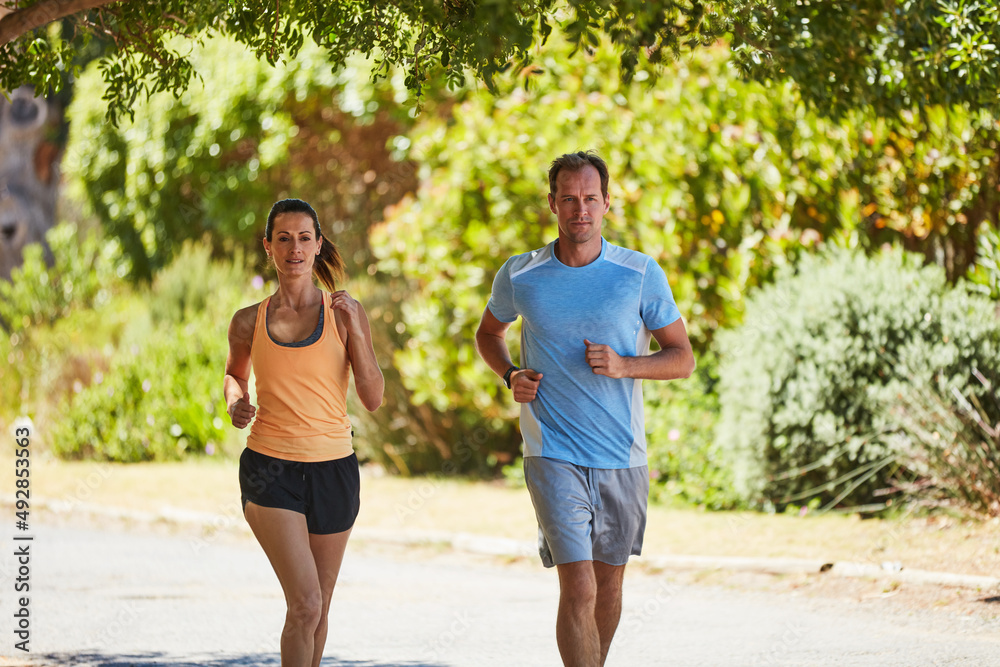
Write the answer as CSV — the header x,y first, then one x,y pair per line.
x,y
880,54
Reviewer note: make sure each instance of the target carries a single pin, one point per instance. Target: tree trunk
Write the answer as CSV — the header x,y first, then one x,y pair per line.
x,y
29,173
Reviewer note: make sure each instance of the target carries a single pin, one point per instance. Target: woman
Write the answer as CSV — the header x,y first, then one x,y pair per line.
x,y
298,474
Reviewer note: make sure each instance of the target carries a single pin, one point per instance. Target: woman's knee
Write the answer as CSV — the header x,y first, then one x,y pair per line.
x,y
306,610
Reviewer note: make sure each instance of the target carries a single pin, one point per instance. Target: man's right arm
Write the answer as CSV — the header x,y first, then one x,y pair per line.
x,y
491,344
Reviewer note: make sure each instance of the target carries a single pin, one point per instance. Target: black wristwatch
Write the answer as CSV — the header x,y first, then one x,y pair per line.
x,y
506,376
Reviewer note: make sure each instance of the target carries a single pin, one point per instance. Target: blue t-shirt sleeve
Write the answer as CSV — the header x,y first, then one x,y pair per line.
x,y
656,305
501,302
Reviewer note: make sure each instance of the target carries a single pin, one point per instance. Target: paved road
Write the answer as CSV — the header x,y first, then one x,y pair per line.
x,y
108,597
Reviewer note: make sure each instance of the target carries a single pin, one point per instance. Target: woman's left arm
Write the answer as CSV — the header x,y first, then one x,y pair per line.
x,y
368,379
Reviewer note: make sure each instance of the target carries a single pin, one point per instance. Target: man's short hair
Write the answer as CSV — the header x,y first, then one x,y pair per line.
x,y
576,162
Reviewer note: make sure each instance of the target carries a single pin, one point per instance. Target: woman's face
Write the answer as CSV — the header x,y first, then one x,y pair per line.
x,y
293,245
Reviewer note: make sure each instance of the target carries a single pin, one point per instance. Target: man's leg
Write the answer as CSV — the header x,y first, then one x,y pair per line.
x,y
576,623
608,608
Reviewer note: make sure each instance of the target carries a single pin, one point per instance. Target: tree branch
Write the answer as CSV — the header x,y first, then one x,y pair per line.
x,y
22,21
746,38
277,19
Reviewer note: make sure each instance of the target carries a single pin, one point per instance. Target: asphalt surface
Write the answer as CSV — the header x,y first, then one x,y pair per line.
x,y
134,597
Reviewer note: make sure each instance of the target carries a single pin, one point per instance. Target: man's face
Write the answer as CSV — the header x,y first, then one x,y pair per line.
x,y
579,205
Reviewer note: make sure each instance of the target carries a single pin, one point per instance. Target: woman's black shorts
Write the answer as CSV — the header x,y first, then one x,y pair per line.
x,y
327,492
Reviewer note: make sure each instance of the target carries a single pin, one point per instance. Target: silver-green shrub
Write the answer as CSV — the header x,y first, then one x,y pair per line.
x,y
809,380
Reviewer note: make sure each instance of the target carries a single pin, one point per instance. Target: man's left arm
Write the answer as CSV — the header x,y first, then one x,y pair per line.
x,y
672,361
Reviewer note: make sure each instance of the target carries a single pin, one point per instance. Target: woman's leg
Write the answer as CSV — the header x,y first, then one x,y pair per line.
x,y
328,554
286,541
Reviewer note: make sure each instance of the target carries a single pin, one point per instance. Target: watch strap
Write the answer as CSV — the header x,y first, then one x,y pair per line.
x,y
506,376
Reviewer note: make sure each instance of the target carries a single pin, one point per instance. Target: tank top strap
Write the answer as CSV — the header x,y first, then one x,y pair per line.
x,y
261,321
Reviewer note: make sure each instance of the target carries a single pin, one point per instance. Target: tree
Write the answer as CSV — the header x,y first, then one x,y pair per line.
x,y
887,55
29,178
884,54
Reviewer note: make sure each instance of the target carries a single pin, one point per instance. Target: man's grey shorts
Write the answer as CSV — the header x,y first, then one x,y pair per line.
x,y
587,513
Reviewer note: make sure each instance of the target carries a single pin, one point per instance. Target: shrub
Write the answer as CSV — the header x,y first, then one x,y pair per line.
x,y
157,392
949,450
83,274
808,381
211,163
410,438
720,180
40,305
985,272
194,283
684,460
158,400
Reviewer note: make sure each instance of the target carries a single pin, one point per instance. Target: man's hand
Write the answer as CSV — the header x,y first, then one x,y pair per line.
x,y
241,412
603,360
524,383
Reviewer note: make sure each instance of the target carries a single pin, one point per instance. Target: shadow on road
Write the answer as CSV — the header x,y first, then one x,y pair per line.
x,y
148,659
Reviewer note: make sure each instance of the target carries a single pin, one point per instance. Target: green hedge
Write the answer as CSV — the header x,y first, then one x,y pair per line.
x,y
809,381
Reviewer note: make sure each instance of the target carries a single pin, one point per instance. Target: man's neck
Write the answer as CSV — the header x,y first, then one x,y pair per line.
x,y
578,254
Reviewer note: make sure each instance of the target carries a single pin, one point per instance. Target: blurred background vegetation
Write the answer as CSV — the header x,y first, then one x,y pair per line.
x,y
839,278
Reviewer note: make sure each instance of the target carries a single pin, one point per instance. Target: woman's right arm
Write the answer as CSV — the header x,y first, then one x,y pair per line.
x,y
236,385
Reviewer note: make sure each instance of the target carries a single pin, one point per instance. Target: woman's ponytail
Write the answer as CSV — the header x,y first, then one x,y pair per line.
x,y
329,266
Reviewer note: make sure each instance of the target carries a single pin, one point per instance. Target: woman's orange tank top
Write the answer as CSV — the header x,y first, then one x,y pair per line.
x,y
301,394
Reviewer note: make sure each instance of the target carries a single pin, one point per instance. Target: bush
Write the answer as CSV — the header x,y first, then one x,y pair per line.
x,y
720,180
985,273
411,438
158,401
808,382
684,460
84,273
685,195
194,283
949,450
36,344
212,162
156,393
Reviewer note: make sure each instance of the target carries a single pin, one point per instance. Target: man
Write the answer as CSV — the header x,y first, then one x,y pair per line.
x,y
588,309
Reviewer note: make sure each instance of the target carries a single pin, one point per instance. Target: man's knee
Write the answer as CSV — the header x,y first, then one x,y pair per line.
x,y
609,577
577,584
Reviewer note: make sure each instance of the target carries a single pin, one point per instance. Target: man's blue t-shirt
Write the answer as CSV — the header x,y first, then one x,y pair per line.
x,y
578,416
